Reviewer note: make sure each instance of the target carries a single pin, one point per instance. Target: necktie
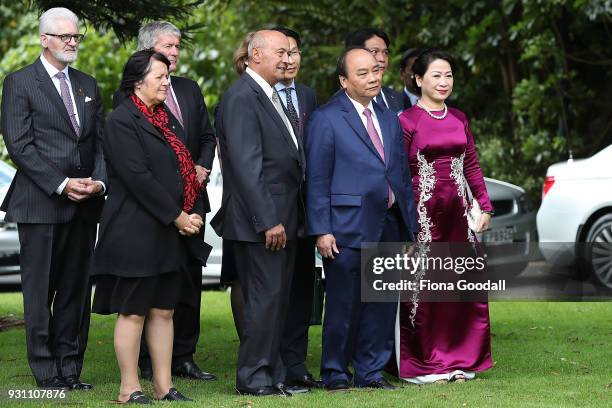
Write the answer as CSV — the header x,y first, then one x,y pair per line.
x,y
375,138
171,104
380,100
291,112
67,99
279,108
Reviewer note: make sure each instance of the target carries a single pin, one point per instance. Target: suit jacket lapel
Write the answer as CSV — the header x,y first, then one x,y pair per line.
x,y
182,104
144,122
79,98
271,110
301,107
352,117
386,133
48,88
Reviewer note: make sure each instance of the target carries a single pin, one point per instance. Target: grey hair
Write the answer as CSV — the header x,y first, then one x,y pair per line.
x,y
46,22
148,33
258,41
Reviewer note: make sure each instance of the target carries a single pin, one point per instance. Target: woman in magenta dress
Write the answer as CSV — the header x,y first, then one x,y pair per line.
x,y
442,341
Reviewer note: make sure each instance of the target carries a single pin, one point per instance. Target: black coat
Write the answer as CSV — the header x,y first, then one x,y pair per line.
x,y
43,144
137,236
198,134
263,170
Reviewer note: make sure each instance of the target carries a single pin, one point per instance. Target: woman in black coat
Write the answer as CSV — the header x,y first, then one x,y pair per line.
x,y
140,258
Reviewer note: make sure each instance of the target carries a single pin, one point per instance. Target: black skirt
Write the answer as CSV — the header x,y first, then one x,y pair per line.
x,y
114,294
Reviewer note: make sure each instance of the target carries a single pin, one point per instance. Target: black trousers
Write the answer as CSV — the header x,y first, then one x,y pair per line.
x,y
55,260
265,277
294,344
186,320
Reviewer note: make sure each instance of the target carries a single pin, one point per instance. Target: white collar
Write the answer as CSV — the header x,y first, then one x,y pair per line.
x,y
280,86
269,91
51,70
360,108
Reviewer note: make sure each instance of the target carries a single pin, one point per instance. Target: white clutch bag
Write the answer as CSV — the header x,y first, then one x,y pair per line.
x,y
474,215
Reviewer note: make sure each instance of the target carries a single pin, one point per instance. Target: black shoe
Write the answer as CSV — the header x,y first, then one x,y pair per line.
x,y
174,395
146,374
189,369
291,389
338,385
55,383
381,384
75,383
307,381
137,397
261,391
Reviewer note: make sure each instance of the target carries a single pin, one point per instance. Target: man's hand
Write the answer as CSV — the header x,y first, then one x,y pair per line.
x,y
202,174
276,238
326,245
80,189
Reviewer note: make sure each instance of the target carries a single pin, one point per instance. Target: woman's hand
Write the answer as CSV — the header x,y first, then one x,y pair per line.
x,y
483,223
188,224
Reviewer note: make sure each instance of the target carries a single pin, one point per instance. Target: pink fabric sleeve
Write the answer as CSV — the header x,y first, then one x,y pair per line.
x,y
473,172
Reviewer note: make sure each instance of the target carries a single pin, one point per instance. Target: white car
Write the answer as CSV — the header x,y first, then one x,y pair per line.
x,y
575,218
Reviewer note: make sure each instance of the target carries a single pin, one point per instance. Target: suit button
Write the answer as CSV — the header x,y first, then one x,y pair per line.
x,y
387,200
79,167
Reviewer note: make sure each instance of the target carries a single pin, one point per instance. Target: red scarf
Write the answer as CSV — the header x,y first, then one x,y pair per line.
x,y
158,117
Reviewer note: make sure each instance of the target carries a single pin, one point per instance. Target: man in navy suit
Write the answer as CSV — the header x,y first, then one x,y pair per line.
x,y
377,42
299,101
358,189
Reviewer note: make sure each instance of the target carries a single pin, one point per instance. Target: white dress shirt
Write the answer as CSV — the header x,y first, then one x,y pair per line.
x,y
269,91
360,108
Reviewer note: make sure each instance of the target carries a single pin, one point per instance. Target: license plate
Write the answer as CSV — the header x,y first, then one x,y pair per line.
x,y
497,236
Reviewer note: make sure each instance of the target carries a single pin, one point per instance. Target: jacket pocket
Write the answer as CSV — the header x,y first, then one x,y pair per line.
x,y
345,200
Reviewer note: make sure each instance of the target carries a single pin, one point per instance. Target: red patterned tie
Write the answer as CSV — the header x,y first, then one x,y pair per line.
x,y
375,138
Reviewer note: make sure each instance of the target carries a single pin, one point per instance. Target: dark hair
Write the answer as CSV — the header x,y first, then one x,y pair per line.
x,y
137,67
359,37
341,66
407,55
424,59
290,33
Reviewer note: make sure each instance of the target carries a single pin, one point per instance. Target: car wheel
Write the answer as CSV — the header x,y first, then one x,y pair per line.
x,y
599,251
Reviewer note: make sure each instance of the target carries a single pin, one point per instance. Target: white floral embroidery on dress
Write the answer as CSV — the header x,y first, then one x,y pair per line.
x,y
427,182
461,182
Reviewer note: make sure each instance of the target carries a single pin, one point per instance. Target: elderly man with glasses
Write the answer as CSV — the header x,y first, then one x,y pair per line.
x,y
52,119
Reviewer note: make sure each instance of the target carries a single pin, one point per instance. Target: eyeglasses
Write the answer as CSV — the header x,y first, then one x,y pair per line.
x,y
65,38
375,51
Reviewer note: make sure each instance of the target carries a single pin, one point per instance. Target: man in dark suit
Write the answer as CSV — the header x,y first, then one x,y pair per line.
x,y
186,104
358,189
52,119
299,102
410,95
377,42
261,211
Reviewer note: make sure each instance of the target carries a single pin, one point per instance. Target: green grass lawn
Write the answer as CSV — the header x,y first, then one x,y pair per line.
x,y
546,355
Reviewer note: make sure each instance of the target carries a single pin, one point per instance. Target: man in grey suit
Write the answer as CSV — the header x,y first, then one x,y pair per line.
x,y
261,211
52,119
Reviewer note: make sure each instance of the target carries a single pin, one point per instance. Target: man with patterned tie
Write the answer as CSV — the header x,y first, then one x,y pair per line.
x,y
299,102
52,119
185,102
358,189
377,42
261,211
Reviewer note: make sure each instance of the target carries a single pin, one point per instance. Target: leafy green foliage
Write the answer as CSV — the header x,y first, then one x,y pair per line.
x,y
533,76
